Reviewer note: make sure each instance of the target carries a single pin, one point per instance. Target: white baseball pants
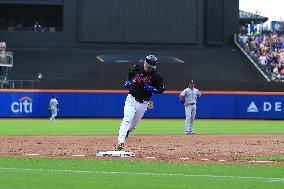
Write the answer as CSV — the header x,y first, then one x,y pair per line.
x,y
53,113
190,112
133,113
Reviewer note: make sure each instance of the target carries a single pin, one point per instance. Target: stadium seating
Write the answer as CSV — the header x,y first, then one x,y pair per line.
x,y
267,50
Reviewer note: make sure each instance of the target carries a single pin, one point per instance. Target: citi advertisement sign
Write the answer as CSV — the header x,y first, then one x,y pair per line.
x,y
24,105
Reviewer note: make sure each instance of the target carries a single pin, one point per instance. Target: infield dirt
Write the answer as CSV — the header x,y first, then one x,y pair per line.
x,y
166,148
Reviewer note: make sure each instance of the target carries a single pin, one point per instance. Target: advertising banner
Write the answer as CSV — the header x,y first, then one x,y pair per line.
x,y
110,104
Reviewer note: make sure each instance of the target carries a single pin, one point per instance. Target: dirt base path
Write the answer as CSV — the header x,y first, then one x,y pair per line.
x,y
174,148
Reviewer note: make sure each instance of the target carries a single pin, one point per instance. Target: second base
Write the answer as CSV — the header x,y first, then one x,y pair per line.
x,y
116,154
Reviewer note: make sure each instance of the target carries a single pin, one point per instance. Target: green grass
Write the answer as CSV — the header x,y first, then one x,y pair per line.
x,y
16,127
71,174
268,158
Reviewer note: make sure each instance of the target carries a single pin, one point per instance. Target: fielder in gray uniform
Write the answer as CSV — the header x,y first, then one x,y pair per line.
x,y
188,97
53,108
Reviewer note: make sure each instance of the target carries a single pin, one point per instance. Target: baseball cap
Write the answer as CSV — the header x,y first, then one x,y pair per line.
x,y
191,82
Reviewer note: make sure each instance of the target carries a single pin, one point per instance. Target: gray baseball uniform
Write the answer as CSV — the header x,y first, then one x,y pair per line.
x,y
53,105
190,101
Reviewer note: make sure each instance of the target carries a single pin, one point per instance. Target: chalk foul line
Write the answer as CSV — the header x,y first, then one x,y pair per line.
x,y
143,173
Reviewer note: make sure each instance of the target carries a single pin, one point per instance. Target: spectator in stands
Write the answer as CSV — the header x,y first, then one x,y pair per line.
x,y
266,28
244,29
252,27
260,28
267,51
2,52
37,27
262,60
277,27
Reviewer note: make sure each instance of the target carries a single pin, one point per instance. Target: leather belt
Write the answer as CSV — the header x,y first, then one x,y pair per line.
x,y
192,103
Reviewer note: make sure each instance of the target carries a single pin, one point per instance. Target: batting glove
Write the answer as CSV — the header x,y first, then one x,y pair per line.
x,y
150,88
127,84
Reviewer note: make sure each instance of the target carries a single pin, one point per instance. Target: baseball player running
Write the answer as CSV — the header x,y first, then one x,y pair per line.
x,y
53,108
142,82
188,98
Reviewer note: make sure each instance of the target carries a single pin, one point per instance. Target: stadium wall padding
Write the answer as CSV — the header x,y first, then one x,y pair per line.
x,y
110,104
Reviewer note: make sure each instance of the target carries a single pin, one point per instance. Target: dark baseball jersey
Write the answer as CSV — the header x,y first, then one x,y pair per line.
x,y
139,77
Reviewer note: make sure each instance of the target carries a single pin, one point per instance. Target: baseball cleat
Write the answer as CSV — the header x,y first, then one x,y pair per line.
x,y
189,133
120,146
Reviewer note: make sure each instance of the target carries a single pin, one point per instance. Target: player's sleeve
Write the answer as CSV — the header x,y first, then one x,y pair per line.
x,y
183,93
198,94
160,85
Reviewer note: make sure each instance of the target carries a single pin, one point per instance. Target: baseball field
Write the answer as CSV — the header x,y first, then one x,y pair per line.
x,y
37,153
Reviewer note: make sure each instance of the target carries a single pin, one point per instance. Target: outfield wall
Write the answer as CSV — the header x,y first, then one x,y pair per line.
x,y
97,104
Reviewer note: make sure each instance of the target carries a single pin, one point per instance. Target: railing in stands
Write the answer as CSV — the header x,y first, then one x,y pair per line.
x,y
18,84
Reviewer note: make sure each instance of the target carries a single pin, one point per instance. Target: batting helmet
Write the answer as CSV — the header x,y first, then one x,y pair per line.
x,y
151,61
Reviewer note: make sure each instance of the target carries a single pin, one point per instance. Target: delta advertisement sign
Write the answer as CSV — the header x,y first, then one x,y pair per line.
x,y
241,106
265,107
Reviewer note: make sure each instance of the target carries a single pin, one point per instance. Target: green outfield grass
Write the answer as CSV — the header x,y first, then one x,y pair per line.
x,y
14,127
71,174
